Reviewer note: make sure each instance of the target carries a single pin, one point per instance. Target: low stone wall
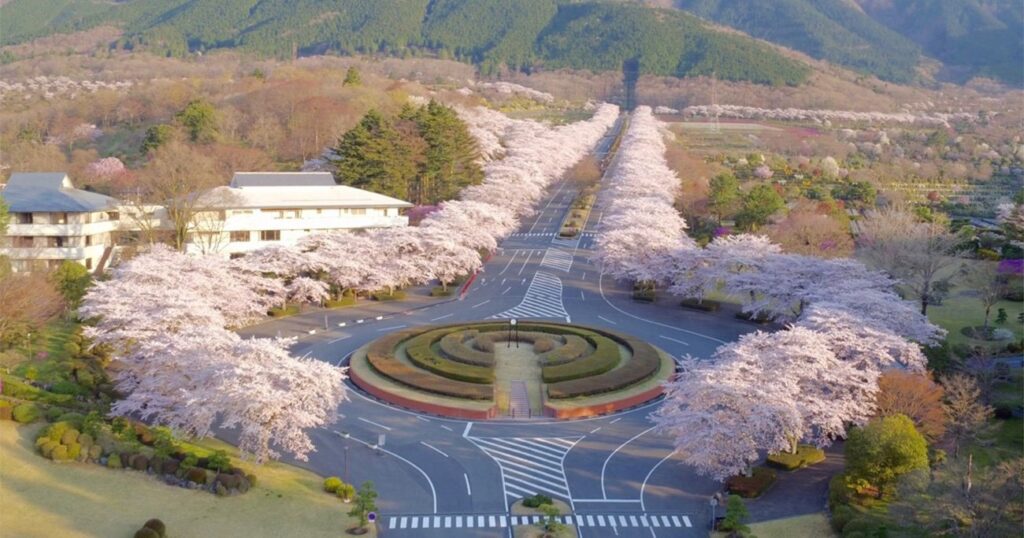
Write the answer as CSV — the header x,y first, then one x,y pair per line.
x,y
604,408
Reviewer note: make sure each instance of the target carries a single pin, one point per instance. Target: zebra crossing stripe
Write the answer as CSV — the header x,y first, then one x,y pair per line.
x,y
491,521
543,299
557,259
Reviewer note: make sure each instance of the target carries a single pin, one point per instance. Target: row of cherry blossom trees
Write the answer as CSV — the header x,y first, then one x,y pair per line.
x,y
768,390
934,119
169,315
640,224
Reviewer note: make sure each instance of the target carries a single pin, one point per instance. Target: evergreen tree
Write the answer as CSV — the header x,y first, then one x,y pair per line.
x,y
200,121
156,136
451,155
372,156
352,77
758,206
724,194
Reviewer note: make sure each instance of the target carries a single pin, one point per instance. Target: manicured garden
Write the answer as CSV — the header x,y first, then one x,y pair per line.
x,y
457,364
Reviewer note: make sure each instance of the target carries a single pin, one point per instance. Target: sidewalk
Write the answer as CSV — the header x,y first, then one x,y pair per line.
x,y
804,491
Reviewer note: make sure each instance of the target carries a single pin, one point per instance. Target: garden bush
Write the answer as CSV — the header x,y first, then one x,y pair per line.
x,y
332,483
537,500
156,525
197,475
280,312
543,345
397,295
346,492
85,440
219,461
751,486
60,453
706,305
51,414
114,461
146,532
48,447
74,451
76,420
805,455
439,291
5,410
840,516
69,436
759,317
95,452
645,295
345,300
230,481
140,462
25,413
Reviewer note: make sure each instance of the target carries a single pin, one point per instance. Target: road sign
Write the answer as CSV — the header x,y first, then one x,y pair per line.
x,y
372,516
380,439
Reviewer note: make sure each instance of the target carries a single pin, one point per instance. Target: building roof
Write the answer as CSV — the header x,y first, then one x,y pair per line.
x,y
49,192
282,179
295,190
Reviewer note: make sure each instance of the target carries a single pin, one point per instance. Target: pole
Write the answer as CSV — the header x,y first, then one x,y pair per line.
x,y
346,464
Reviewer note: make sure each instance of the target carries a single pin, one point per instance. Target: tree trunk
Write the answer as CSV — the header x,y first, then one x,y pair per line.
x,y
968,477
924,305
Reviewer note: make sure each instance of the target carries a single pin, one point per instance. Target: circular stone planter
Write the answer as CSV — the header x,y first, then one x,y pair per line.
x,y
483,370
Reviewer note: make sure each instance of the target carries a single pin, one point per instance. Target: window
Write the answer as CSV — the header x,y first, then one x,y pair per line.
x,y
240,237
359,211
270,235
24,218
242,212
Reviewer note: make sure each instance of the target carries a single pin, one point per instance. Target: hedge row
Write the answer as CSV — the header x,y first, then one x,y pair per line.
x,y
644,363
751,486
706,305
604,357
381,357
453,346
805,455
420,351
575,347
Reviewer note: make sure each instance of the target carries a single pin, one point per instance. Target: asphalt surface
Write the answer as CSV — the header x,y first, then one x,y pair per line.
x,y
448,478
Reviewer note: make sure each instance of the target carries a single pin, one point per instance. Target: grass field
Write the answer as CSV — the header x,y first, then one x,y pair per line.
x,y
41,498
961,310
806,526
1003,442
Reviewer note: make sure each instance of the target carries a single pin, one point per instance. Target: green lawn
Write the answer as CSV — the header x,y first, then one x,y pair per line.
x,y
960,310
41,498
807,526
1005,441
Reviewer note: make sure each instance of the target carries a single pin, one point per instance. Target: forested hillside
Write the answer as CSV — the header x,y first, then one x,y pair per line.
x,y
833,30
526,35
972,37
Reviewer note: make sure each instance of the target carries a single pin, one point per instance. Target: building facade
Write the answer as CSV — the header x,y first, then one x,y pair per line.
x,y
51,221
265,208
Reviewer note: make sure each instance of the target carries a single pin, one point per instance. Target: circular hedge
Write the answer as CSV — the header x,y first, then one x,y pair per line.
x,y
458,361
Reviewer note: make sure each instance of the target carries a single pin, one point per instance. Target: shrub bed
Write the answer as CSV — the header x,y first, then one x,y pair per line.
x,y
805,455
575,346
341,302
281,312
644,363
453,346
396,295
706,305
604,357
439,291
751,486
759,317
420,351
380,356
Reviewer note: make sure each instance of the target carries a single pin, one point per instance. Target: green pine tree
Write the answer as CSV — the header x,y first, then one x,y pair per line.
x,y
372,156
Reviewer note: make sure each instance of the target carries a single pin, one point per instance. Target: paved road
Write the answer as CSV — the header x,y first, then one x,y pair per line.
x,y
439,477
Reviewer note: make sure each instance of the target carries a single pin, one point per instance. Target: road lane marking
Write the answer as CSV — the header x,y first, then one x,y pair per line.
x,y
442,317
392,328
509,263
606,320
434,448
604,467
340,339
481,304
368,421
674,340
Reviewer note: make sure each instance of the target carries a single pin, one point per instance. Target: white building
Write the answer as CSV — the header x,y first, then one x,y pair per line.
x,y
263,208
52,221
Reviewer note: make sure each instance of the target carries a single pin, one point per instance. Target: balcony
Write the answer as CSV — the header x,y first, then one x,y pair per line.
x,y
66,230
52,253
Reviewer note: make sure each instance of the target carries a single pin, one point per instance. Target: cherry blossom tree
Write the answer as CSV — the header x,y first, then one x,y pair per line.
x,y
303,289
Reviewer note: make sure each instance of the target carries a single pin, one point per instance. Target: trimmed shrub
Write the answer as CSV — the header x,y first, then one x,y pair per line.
x,y
48,447
453,346
707,305
605,357
70,436
5,410
841,515
221,490
52,414
644,363
229,480
197,475
543,345
85,440
346,492
243,485
644,295
761,318
74,419
536,501
146,532
805,455
140,462
397,295
170,466
156,525
25,413
219,461
95,451
420,352
751,486
279,312
60,453
575,347
251,478
74,451
114,461
332,483
343,301
438,291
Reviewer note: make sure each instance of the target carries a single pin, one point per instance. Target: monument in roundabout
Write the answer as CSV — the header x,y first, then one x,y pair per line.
x,y
511,369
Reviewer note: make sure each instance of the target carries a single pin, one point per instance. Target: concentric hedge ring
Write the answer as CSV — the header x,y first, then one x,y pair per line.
x,y
457,362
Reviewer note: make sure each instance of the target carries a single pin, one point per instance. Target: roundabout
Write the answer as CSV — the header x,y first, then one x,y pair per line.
x,y
487,370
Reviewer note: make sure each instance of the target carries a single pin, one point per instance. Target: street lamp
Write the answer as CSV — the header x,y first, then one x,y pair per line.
x,y
346,464
513,333
714,503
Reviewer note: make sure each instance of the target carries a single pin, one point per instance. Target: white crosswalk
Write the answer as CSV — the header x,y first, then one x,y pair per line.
x,y
557,259
476,521
543,299
529,465
544,234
